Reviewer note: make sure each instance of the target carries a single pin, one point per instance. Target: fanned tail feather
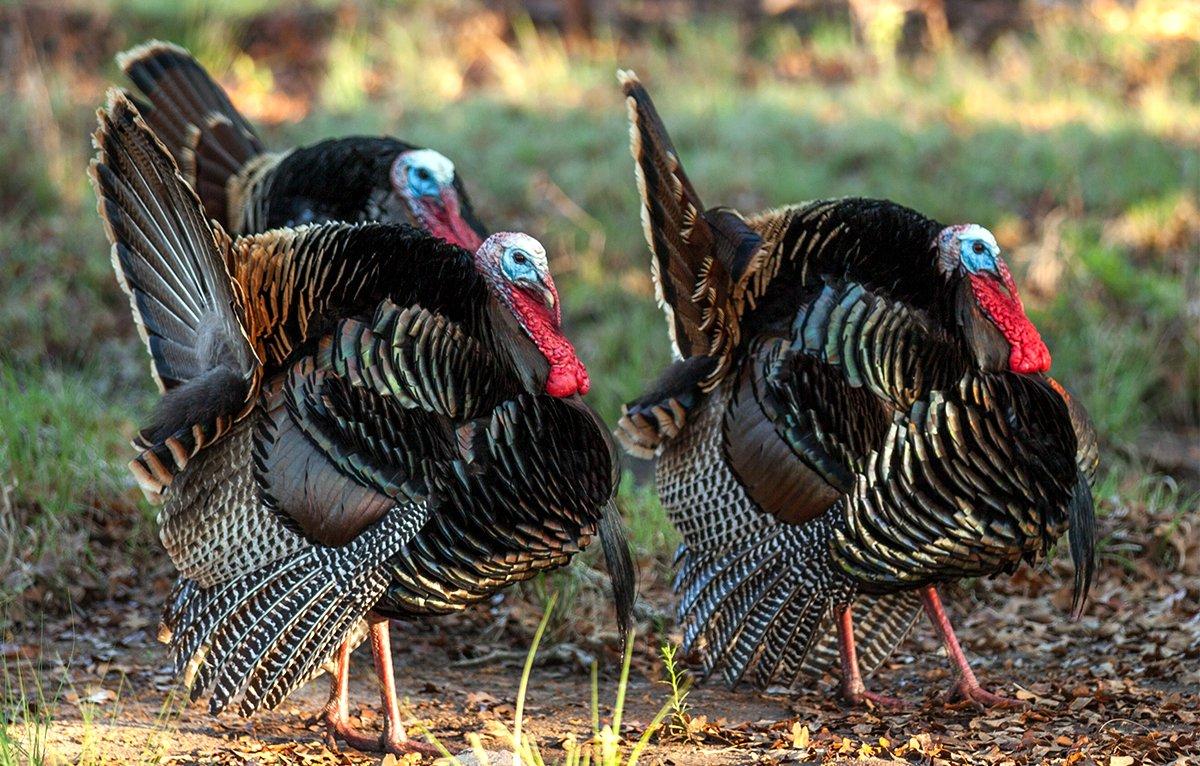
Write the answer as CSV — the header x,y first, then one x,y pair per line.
x,y
170,261
185,101
193,116
257,638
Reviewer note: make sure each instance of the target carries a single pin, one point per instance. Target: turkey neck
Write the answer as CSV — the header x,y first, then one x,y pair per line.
x,y
515,348
983,340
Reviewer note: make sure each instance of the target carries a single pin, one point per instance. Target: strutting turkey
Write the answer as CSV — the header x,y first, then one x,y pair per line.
x,y
355,418
248,189
860,412
351,179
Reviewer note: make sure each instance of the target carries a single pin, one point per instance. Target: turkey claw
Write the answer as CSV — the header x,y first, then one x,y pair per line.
x,y
981,698
874,699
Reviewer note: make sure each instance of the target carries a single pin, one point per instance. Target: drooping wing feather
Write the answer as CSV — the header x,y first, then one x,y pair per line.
x,y
334,459
794,430
524,495
808,410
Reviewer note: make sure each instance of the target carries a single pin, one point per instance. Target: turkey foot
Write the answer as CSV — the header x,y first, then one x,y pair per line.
x,y
967,687
971,691
394,739
336,714
853,689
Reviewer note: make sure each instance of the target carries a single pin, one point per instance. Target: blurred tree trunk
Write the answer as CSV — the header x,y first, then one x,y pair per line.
x,y
577,19
882,25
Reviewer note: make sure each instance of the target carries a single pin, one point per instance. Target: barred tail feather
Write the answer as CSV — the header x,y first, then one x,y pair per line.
x,y
209,138
257,638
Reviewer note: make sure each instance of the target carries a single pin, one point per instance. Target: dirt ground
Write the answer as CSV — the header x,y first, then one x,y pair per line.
x,y
1120,686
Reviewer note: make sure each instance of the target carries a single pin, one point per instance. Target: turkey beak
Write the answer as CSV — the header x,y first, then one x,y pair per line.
x,y
541,288
548,297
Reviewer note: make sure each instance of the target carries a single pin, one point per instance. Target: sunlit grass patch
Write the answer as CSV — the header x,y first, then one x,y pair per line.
x,y
62,479
29,701
47,720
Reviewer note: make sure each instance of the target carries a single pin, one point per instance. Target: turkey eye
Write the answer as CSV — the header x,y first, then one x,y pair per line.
x,y
978,248
519,257
423,174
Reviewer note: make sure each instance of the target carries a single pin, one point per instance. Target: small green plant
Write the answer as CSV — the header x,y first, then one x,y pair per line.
x,y
28,714
678,725
604,748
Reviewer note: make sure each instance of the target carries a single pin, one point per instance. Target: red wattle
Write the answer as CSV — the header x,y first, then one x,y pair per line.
x,y
1001,302
567,374
444,220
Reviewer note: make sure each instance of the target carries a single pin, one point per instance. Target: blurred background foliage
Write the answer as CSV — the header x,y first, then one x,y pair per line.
x,y
1071,129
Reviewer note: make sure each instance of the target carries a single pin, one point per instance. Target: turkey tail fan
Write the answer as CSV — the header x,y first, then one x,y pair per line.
x,y
701,259
170,262
193,116
758,608
621,569
1082,536
255,639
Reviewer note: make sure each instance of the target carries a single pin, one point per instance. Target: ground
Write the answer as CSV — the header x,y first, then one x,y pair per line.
x,y
1068,129
1122,681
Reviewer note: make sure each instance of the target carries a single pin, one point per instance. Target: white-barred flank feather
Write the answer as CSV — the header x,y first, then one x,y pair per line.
x,y
753,591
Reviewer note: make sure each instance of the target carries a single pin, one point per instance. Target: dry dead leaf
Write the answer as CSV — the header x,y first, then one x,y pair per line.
x,y
800,736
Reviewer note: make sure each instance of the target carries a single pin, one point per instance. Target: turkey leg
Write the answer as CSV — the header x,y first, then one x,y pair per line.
x,y
853,689
968,686
337,710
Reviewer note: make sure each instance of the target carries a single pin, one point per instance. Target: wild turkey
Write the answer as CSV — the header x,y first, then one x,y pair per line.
x,y
352,179
248,189
355,418
860,412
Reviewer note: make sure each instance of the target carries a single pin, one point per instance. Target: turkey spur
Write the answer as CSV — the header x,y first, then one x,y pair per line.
x,y
355,419
860,412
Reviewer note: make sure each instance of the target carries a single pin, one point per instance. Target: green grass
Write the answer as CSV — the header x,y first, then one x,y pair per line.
x,y
62,481
1077,145
605,747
